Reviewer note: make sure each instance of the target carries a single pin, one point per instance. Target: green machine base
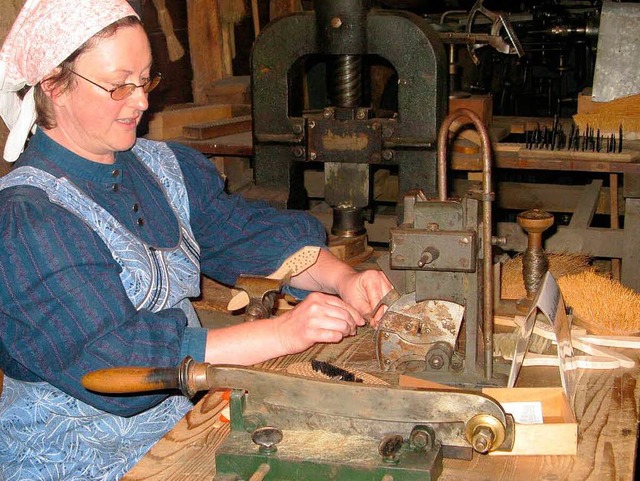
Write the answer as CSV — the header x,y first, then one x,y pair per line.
x,y
319,456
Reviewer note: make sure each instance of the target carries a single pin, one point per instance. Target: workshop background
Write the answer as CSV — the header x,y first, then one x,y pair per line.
x,y
559,38
527,68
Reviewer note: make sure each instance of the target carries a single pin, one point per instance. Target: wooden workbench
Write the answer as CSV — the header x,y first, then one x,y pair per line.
x,y
605,406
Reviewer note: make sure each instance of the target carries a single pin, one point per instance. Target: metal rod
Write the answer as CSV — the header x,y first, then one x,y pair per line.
x,y
487,198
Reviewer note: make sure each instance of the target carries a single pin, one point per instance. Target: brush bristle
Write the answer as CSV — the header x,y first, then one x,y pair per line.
x,y
609,117
333,371
600,304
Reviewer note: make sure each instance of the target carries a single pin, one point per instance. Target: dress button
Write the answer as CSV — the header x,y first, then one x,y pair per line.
x,y
140,221
136,207
115,173
115,187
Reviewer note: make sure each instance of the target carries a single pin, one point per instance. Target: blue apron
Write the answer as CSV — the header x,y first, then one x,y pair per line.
x,y
46,434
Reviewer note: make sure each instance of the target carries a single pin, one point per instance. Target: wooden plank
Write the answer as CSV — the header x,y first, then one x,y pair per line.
x,y
481,105
550,197
625,156
236,145
206,45
586,207
630,274
230,90
512,160
168,123
217,128
593,241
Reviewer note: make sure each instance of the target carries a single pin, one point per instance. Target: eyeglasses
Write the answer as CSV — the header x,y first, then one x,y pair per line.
x,y
123,91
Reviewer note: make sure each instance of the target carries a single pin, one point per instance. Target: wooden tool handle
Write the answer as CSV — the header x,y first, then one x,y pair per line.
x,y
121,380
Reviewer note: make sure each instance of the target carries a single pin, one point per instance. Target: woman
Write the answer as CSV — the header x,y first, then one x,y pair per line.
x,y
103,238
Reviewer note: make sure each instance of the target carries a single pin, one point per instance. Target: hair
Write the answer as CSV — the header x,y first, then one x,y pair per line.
x,y
63,80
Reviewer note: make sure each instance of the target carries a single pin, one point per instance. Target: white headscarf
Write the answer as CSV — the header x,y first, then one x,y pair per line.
x,y
44,34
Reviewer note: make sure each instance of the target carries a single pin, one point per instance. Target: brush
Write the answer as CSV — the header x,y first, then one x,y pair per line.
x,y
174,48
333,371
600,304
610,118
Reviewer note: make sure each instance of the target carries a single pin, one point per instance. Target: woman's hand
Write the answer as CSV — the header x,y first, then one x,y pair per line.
x,y
319,318
363,290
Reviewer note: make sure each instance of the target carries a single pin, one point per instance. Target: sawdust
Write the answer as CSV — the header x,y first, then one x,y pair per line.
x,y
328,447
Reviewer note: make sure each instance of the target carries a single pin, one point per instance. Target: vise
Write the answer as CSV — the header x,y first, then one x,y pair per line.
x,y
348,134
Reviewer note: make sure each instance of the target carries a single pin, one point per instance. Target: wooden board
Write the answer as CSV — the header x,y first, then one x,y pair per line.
x,y
217,128
168,124
229,90
625,156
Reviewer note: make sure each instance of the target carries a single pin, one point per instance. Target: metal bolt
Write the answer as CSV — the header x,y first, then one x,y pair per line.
x,y
483,438
297,129
387,132
267,439
464,241
361,114
387,154
389,448
336,22
429,255
499,241
298,151
311,124
327,113
313,155
433,226
422,438
436,362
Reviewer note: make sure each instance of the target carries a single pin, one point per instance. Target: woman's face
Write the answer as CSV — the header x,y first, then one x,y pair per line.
x,y
89,122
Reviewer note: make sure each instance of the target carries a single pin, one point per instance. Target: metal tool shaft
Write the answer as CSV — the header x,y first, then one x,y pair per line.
x,y
303,394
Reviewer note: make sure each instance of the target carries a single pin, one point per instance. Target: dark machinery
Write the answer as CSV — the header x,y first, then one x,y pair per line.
x,y
443,252
347,134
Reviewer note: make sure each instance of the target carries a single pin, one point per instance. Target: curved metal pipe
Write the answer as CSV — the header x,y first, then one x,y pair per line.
x,y
487,221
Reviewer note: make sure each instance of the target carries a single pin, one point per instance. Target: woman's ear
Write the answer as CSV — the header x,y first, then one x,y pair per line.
x,y
48,86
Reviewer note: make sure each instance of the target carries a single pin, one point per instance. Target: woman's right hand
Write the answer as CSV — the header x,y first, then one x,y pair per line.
x,y
320,318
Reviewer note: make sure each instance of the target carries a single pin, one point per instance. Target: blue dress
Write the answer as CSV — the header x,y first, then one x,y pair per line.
x,y
48,434
49,427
